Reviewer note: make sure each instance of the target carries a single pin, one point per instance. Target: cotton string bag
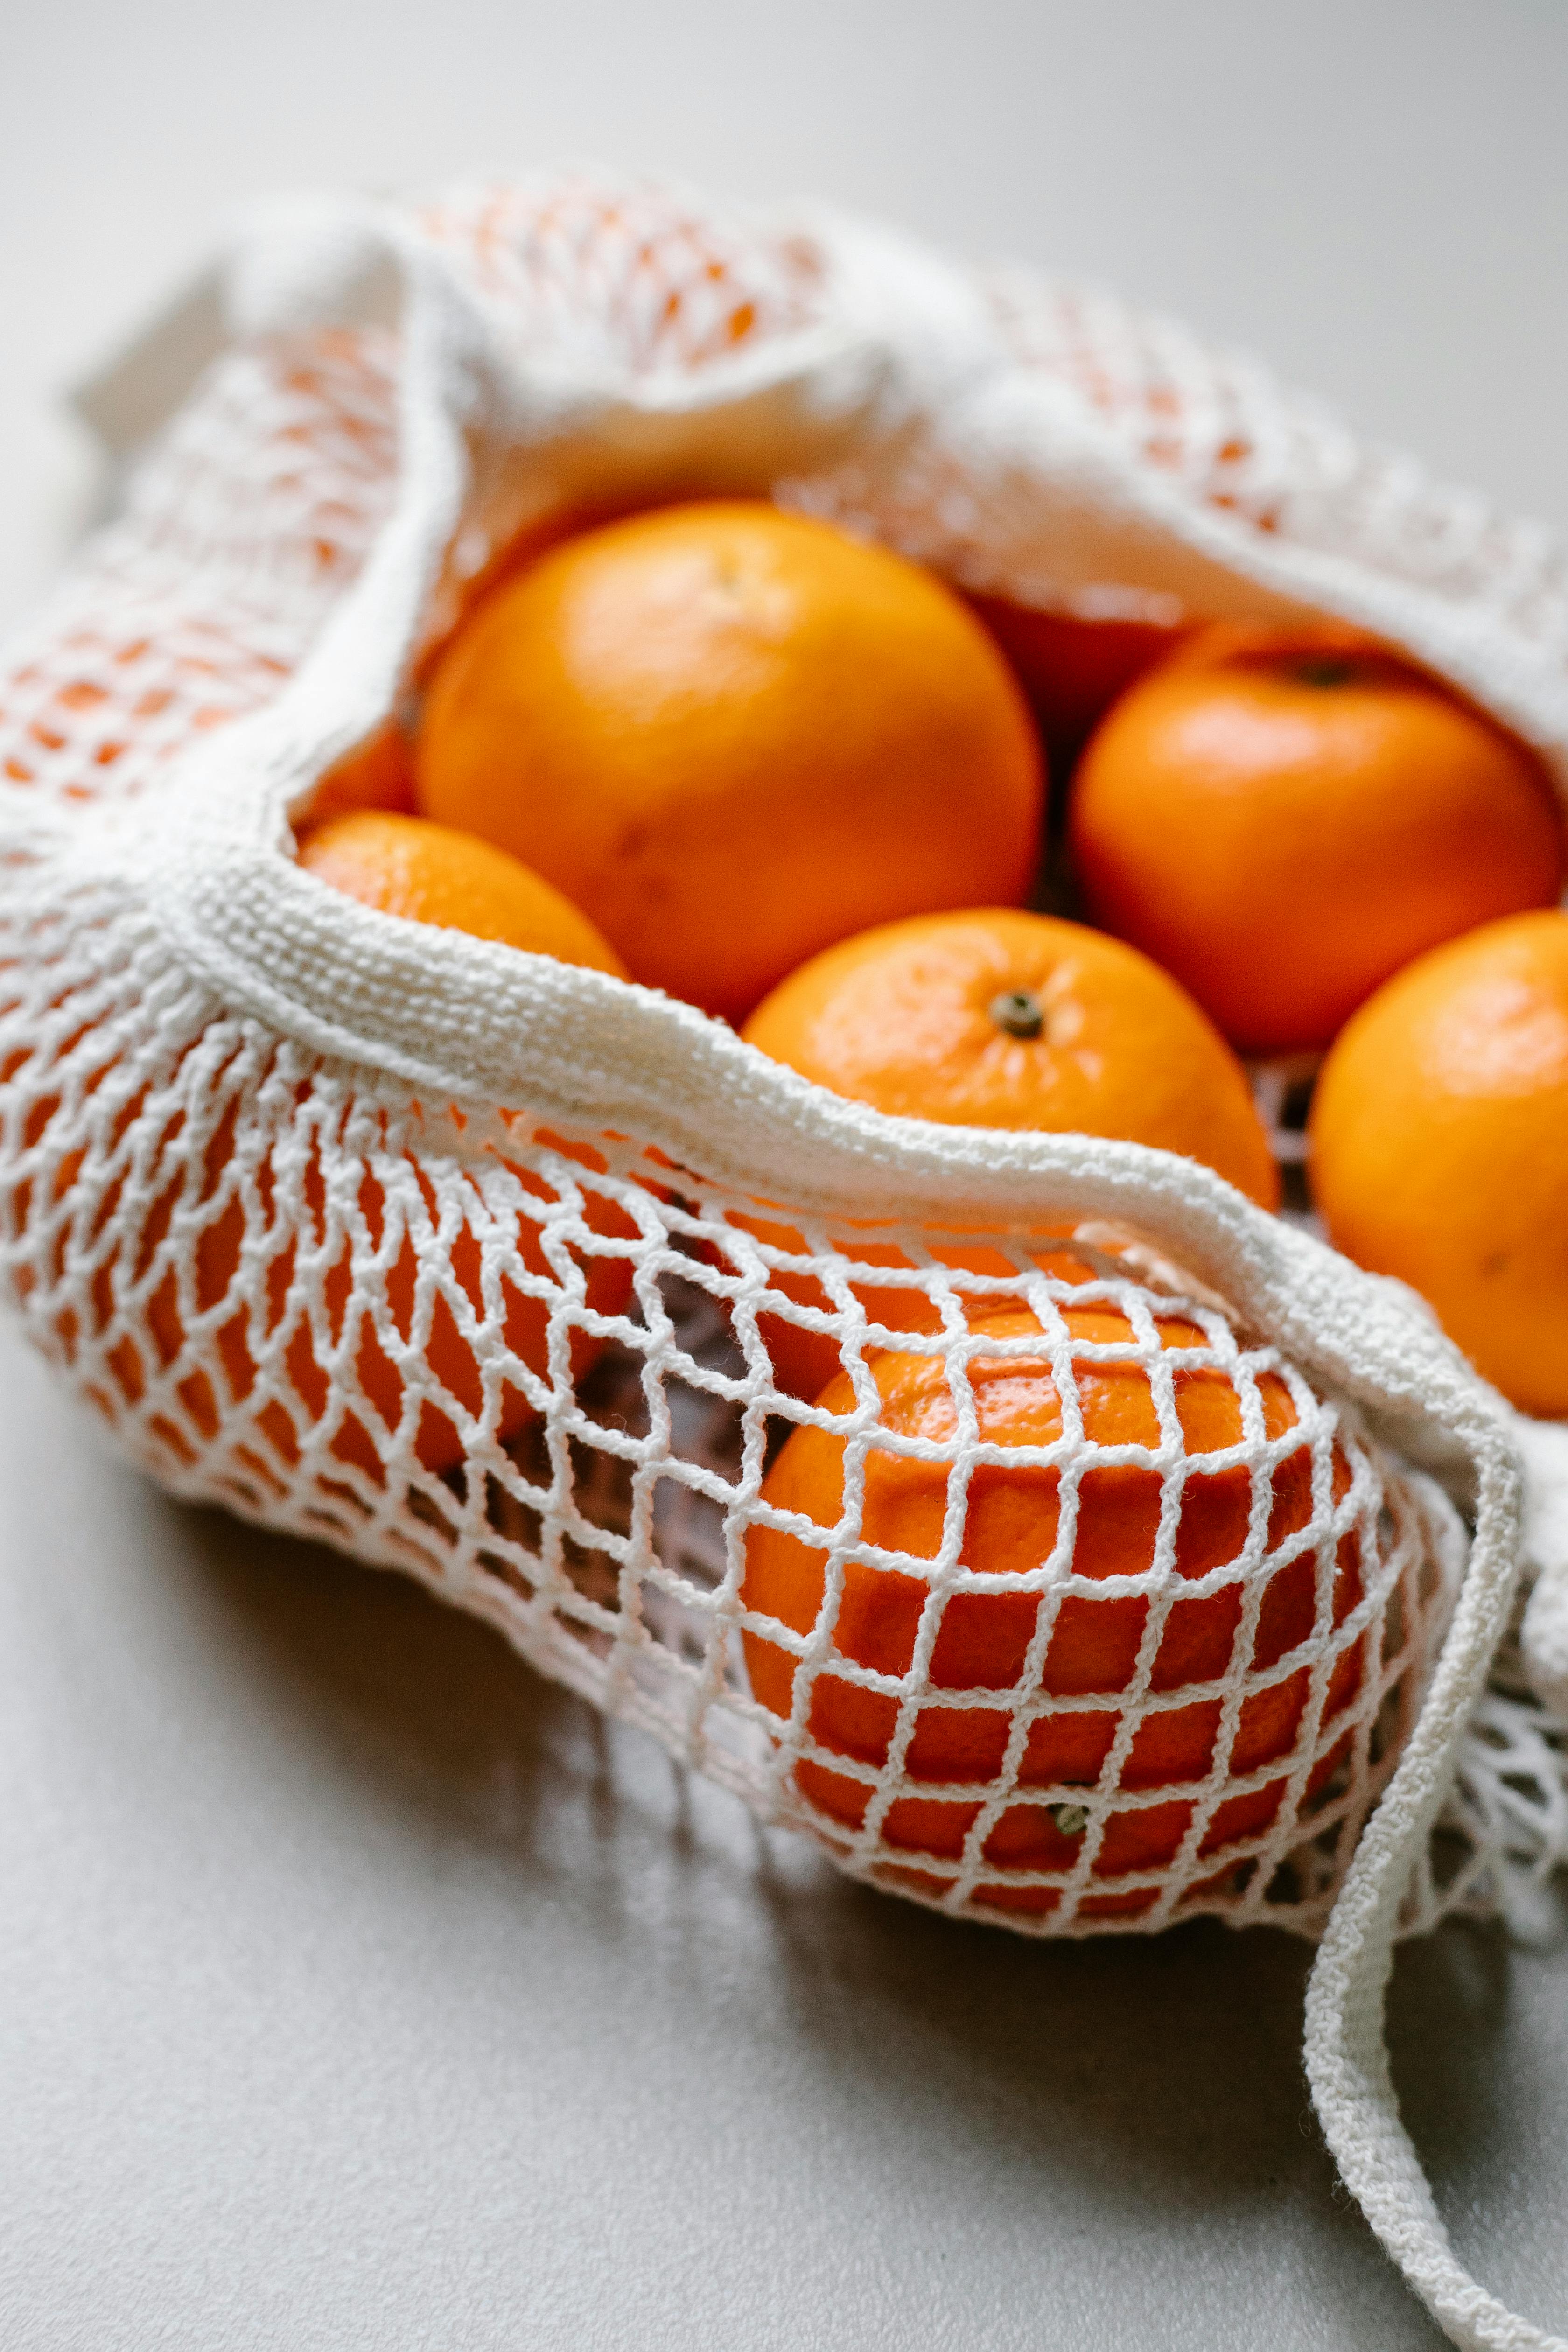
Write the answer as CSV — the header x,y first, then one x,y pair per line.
x,y
454,1257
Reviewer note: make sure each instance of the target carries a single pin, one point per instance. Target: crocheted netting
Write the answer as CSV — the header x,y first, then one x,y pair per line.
x,y
475,1266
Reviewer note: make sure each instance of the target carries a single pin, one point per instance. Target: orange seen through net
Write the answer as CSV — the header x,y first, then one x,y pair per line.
x,y
400,866
447,1353
1011,1527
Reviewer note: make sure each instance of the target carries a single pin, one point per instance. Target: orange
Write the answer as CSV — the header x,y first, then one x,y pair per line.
x,y
1283,817
1073,669
733,736
804,1360
432,873
377,773
1011,1526
996,1018
438,1443
1439,1147
428,873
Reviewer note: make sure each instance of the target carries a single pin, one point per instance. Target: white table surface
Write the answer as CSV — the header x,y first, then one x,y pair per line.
x,y
356,1987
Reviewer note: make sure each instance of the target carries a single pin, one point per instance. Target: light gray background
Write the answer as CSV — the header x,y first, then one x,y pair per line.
x,y
358,1988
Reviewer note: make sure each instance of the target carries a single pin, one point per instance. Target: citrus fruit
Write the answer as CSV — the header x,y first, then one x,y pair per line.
x,y
1072,669
433,874
1012,1517
377,773
732,736
804,1360
998,1018
428,873
1439,1147
1282,817
448,1352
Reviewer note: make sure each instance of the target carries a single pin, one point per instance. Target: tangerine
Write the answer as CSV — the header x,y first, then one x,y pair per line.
x,y
1072,669
733,736
375,774
1282,817
804,1358
998,1018
1012,1522
1437,1135
432,873
428,873
448,1353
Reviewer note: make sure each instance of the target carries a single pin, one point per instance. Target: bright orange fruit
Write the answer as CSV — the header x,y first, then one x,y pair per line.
x,y
1282,817
1011,1526
1439,1146
433,874
733,736
427,872
377,773
998,1018
1073,669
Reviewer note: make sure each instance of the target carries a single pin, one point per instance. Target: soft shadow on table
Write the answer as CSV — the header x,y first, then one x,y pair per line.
x,y
1169,2065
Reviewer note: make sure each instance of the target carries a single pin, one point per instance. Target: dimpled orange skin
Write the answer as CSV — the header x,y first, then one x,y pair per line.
x,y
434,874
901,1018
1283,817
1439,1147
733,736
1011,1528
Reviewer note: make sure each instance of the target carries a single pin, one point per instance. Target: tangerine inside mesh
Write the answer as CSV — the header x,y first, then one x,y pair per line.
x,y
1014,1523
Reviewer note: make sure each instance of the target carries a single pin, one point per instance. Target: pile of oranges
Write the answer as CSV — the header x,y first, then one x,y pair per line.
x,y
734,754
797,782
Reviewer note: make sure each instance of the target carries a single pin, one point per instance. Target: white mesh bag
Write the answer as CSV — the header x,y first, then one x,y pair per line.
x,y
474,1264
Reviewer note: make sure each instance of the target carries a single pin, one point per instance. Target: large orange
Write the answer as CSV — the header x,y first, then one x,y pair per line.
x,y
425,872
998,1018
1283,817
1011,1526
1439,1146
732,736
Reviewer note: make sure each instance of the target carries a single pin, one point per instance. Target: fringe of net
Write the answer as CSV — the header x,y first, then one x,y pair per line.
x,y
142,1125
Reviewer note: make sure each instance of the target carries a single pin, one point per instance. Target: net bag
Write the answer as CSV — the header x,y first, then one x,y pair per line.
x,y
491,1269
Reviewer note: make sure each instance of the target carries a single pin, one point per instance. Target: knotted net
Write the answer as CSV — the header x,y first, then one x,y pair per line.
x,y
488,1269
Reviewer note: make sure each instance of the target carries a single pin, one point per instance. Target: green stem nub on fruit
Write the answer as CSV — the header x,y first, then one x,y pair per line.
x,y
1071,1820
1019,1011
